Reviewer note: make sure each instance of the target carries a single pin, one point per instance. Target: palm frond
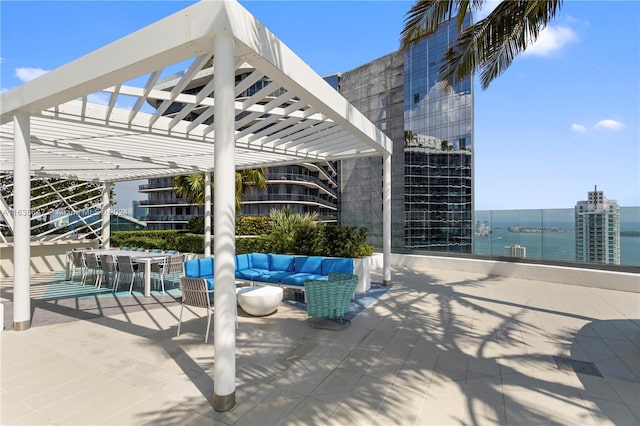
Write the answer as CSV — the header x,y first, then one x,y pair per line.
x,y
425,16
492,43
192,186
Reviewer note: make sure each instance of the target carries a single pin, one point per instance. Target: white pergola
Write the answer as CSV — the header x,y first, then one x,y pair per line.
x,y
49,127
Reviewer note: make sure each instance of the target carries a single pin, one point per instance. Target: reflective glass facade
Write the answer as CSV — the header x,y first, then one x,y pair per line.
x,y
438,145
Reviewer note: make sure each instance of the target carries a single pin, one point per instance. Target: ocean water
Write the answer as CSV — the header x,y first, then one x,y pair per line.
x,y
548,244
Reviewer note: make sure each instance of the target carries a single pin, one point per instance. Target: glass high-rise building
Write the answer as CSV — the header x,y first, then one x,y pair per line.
x,y
597,229
432,162
438,134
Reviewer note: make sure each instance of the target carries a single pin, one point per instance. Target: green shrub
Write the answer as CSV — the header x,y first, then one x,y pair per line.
x,y
252,225
245,225
342,241
196,225
285,226
186,243
259,244
306,240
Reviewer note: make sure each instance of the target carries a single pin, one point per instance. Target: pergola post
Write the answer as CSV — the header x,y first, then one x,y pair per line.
x,y
224,329
207,214
105,213
21,222
386,220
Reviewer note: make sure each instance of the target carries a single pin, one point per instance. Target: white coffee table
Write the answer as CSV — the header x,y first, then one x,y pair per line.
x,y
259,301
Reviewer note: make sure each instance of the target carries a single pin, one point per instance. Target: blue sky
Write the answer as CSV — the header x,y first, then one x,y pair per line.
x,y
563,118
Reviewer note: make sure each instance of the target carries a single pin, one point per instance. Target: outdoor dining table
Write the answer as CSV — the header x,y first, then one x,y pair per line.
x,y
140,257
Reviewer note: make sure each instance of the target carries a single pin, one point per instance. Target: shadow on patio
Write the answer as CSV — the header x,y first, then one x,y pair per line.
x,y
440,347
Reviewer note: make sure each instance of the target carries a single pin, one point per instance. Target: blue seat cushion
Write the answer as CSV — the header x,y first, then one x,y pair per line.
x,y
299,278
308,264
192,268
260,261
274,277
342,265
251,274
243,261
206,267
281,262
210,286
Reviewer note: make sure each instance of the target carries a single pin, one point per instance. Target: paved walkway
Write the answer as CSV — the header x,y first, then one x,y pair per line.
x,y
440,347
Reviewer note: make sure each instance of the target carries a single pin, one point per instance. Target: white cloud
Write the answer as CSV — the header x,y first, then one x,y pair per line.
x,y
578,128
26,74
550,40
609,125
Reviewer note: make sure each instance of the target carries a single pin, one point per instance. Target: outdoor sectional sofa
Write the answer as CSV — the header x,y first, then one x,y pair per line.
x,y
273,269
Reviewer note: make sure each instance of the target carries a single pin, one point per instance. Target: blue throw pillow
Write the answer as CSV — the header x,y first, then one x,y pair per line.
x,y
308,264
281,262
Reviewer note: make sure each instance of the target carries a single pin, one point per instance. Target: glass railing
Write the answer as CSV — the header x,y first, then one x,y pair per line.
x,y
550,234
166,186
292,198
547,236
165,201
166,218
538,236
276,178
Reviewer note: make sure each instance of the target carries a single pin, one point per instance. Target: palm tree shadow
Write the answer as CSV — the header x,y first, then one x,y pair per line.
x,y
489,362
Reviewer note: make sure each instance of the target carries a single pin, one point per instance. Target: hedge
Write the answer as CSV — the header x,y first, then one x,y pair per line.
x,y
320,240
245,225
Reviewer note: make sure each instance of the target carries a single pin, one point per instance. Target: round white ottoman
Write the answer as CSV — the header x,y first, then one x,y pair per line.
x,y
259,301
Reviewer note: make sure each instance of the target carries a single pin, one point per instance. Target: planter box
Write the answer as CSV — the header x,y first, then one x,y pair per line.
x,y
362,268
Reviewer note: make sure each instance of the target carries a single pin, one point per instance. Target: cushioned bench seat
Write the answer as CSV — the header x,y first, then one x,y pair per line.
x,y
274,269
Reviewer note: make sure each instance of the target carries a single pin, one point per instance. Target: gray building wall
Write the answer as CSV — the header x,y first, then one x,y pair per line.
x,y
377,90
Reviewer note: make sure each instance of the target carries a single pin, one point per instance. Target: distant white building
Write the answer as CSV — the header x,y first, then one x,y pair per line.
x,y
597,229
515,250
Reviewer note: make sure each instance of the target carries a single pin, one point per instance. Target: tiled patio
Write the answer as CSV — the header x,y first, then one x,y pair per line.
x,y
440,347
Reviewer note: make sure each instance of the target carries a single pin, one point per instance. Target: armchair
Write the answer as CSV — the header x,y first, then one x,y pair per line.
x,y
330,299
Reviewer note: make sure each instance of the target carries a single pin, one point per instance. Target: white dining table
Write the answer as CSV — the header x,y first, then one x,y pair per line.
x,y
140,257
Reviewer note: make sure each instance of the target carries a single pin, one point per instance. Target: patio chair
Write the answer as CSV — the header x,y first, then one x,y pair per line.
x,y
196,294
172,265
109,267
330,299
78,264
93,266
126,267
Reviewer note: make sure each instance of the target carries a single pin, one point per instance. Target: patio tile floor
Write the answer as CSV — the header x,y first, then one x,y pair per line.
x,y
440,347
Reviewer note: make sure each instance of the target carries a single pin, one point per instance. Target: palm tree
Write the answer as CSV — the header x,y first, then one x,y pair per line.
x,y
192,186
491,44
